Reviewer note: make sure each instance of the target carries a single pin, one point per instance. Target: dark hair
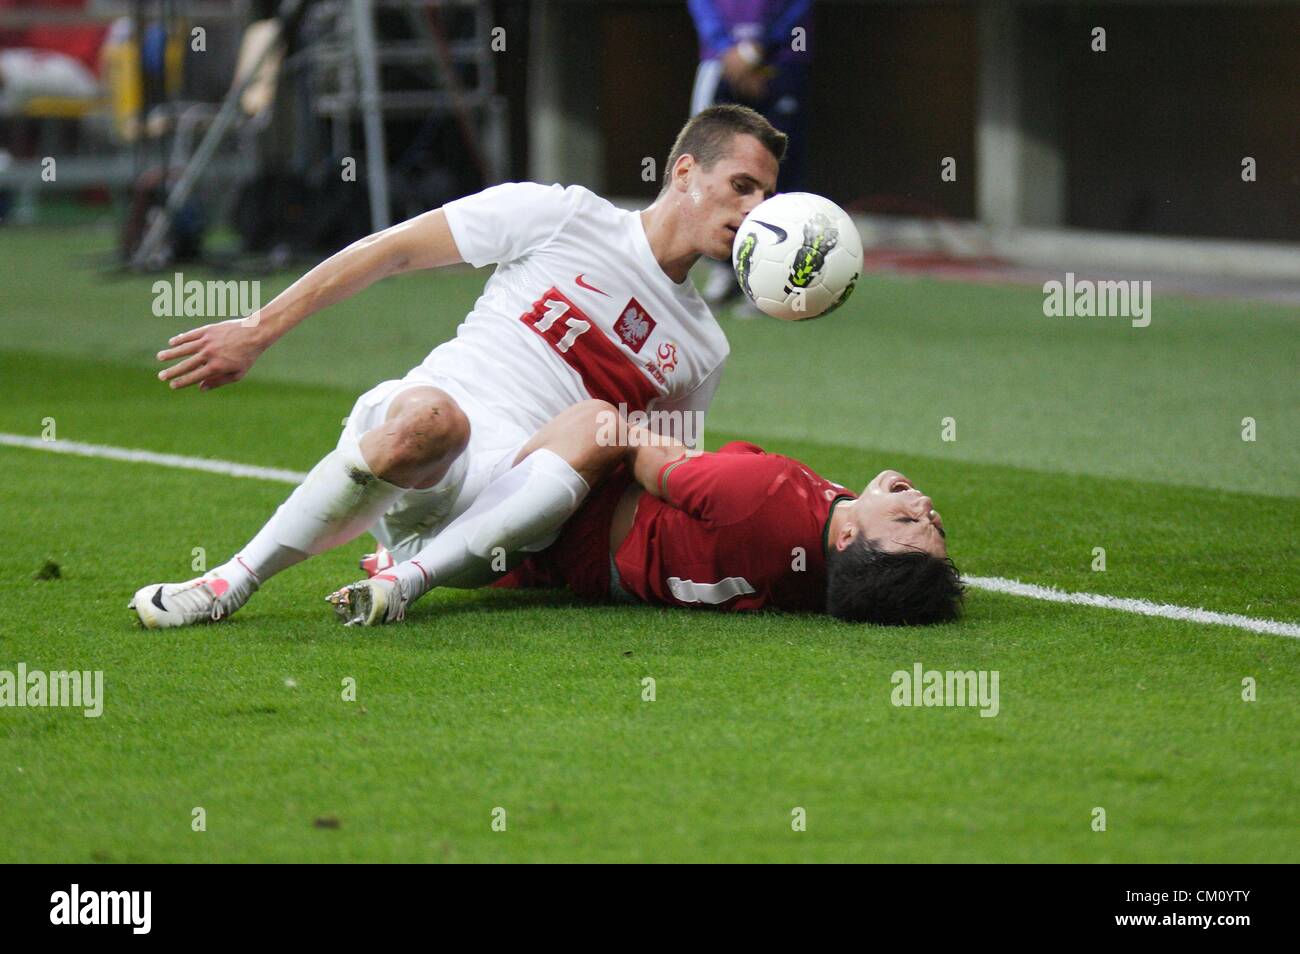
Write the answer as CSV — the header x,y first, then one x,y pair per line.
x,y
707,135
865,584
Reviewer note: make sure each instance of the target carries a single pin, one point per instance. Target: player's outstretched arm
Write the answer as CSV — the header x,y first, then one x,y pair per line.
x,y
223,352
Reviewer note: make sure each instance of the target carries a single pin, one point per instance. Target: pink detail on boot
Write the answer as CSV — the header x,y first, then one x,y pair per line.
x,y
377,562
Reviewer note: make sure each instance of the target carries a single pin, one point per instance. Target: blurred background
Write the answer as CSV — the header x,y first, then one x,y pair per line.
x,y
973,136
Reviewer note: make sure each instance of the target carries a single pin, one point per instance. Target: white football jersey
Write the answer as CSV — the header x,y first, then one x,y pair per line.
x,y
577,308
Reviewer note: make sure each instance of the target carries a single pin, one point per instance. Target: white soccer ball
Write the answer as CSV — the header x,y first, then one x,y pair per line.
x,y
797,256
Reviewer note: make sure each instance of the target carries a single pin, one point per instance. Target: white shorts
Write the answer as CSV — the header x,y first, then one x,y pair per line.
x,y
419,515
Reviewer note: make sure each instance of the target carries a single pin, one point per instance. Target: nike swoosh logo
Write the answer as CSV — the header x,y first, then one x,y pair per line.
x,y
781,234
581,284
157,599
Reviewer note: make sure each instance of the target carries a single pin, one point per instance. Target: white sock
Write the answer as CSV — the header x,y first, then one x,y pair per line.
x,y
523,506
260,559
340,499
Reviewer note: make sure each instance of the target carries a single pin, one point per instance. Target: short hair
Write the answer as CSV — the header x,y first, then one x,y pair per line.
x,y
865,584
707,135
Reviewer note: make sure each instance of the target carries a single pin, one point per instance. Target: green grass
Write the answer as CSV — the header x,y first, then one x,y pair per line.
x,y
1072,435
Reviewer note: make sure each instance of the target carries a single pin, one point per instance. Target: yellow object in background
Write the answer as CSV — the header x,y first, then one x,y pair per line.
x,y
120,68
174,58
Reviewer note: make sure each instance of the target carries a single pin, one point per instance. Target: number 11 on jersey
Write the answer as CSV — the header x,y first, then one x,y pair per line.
x,y
549,309
607,372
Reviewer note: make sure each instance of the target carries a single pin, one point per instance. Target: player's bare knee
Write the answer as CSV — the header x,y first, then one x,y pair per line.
x,y
431,429
420,438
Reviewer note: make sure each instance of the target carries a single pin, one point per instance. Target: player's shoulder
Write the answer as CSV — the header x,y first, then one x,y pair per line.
x,y
759,459
743,447
589,205
575,209
522,195
576,196
790,475
755,467
809,482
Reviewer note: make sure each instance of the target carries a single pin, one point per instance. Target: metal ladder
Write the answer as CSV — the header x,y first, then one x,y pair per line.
x,y
346,61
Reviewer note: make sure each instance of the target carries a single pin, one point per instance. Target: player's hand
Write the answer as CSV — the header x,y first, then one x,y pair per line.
x,y
746,76
213,355
753,86
734,66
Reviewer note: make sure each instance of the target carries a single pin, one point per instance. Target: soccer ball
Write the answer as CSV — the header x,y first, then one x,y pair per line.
x,y
797,256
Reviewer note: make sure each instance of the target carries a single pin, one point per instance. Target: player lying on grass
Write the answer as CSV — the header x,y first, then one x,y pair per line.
x,y
588,301
739,529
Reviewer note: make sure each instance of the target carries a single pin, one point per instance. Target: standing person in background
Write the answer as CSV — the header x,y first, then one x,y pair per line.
x,y
750,54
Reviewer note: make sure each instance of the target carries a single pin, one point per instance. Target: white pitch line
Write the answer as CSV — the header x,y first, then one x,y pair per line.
x,y
991,583
1143,607
225,467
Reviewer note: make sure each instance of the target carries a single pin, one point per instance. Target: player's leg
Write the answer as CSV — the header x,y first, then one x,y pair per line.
x,y
423,433
585,436
522,509
569,436
420,434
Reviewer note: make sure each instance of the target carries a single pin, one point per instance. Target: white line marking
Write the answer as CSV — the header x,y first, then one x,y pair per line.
x,y
991,583
226,467
1143,607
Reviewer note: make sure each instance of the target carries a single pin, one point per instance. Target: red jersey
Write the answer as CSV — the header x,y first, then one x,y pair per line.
x,y
739,529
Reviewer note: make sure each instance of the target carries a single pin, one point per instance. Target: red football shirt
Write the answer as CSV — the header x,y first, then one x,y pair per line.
x,y
739,529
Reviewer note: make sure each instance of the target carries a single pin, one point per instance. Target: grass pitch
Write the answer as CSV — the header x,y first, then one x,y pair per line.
x,y
1072,434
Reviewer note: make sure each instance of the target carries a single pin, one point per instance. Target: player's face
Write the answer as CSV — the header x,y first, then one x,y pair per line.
x,y
724,194
898,516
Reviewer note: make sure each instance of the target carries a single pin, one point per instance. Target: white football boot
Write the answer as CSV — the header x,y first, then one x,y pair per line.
x,y
206,599
380,599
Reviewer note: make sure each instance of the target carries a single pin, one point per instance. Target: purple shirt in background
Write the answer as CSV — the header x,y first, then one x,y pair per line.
x,y
723,23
